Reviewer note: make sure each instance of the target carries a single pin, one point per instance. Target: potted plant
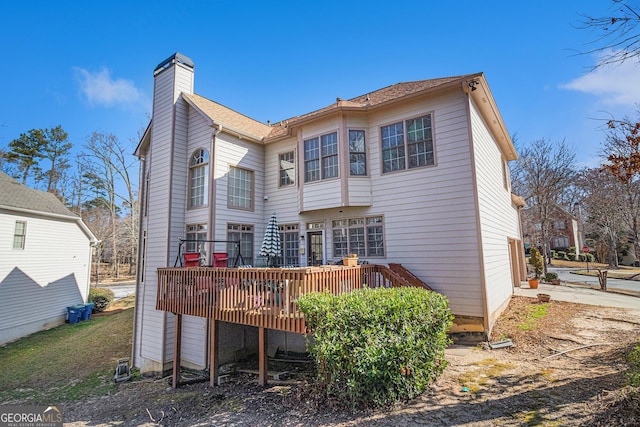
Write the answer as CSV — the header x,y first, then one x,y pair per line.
x,y
552,278
537,263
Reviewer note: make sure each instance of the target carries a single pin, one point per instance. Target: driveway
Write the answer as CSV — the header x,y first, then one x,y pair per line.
x,y
616,285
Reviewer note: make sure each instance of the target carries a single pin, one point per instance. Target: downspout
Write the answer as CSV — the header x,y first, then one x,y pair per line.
x,y
141,254
212,171
211,221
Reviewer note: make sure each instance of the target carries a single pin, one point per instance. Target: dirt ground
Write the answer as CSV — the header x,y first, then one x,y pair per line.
x,y
532,383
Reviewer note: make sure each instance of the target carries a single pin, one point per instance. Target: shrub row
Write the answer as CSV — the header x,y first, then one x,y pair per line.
x,y
377,346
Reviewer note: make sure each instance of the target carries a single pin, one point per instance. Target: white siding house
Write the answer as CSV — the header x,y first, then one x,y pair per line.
x,y
414,174
45,260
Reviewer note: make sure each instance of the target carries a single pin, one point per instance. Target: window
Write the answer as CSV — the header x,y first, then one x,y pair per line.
x,y
357,153
287,168
19,235
561,242
198,173
321,157
505,174
416,150
195,232
560,224
361,236
242,233
289,237
240,190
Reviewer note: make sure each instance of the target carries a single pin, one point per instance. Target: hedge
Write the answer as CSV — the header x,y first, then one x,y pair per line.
x,y
374,347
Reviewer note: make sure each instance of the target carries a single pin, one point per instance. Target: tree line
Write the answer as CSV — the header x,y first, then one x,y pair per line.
x,y
606,199
98,184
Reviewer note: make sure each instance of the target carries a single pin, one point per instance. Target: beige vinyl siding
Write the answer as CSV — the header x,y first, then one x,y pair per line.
x,y
359,191
38,282
230,151
429,213
166,201
498,217
323,194
282,200
194,329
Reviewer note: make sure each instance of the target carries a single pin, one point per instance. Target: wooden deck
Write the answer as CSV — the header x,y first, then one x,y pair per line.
x,y
261,297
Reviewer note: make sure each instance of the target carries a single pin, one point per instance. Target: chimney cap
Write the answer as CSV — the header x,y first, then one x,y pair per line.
x,y
175,58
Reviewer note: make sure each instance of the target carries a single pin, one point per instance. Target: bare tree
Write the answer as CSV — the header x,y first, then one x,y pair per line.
x,y
622,152
543,172
617,35
603,197
108,171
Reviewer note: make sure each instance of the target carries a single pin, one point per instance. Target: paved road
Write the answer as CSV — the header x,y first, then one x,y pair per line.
x,y
122,289
566,275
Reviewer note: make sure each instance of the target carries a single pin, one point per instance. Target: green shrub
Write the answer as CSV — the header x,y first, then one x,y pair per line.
x,y
587,258
101,298
571,256
377,346
536,262
553,253
550,276
634,366
562,255
572,250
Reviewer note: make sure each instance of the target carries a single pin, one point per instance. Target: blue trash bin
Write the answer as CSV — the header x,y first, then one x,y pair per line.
x,y
88,309
73,314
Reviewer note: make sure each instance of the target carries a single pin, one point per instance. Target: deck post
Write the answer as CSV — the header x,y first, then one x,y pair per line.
x,y
262,358
214,363
177,341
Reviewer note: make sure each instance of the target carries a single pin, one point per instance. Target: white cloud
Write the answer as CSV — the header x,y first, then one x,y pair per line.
x,y
617,84
100,89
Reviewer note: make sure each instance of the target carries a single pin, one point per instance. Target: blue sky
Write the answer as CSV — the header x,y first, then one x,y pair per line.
x,y
88,66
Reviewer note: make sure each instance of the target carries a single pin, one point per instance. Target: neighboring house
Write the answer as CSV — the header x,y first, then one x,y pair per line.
x,y
565,232
45,260
415,173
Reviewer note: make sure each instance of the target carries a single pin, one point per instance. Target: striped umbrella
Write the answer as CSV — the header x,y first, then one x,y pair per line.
x,y
271,243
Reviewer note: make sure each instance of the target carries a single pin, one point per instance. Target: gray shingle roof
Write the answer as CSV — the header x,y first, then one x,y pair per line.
x,y
16,195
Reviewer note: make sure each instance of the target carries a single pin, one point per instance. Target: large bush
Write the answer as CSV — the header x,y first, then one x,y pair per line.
x,y
101,298
377,346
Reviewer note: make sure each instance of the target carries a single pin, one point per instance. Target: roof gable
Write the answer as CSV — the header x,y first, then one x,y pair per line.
x,y
16,195
220,114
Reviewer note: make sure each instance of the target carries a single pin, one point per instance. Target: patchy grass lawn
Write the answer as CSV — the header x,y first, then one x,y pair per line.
x,y
69,362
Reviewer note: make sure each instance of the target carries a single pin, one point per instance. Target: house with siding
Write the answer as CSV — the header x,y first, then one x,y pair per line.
x,y
45,260
414,174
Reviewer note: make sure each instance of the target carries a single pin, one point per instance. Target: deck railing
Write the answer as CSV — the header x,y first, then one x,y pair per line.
x,y
262,297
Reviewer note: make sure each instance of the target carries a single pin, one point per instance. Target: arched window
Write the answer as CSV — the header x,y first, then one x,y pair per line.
x,y
198,178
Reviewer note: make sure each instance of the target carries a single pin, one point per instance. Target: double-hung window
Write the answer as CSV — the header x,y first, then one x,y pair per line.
x,y
321,157
240,189
361,236
19,235
198,173
287,168
195,233
408,144
357,153
242,233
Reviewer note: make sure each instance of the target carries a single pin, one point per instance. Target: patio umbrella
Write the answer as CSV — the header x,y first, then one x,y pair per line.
x,y
271,243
